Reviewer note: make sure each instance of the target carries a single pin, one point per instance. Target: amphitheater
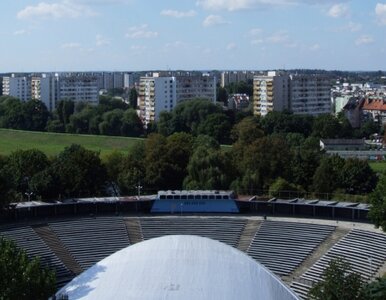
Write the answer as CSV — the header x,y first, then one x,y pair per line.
x,y
296,250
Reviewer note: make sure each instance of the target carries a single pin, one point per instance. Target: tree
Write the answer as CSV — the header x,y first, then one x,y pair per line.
x,y
328,175
64,109
282,188
247,131
22,278
259,167
376,290
22,166
35,115
377,211
222,96
209,169
11,113
216,125
338,282
326,126
112,122
179,150
80,172
189,114
358,177
132,171
131,124
133,98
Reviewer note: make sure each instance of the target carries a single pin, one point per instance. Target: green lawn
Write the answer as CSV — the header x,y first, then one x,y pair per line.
x,y
53,143
379,167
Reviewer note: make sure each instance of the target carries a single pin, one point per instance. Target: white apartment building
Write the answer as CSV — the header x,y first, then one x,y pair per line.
x,y
310,94
46,89
270,92
157,94
301,94
19,87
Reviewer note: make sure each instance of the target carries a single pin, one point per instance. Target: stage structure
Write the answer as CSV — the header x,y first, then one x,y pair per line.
x,y
195,202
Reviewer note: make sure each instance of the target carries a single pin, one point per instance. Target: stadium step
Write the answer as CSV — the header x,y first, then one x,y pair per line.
x,y
330,241
53,242
250,229
134,230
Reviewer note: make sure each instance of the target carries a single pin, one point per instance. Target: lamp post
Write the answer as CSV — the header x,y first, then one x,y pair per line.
x,y
28,194
139,187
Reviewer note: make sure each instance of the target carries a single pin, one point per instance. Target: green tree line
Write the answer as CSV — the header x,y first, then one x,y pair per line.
x,y
182,161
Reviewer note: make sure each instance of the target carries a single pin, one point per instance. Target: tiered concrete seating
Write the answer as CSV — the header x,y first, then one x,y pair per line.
x,y
283,246
90,240
27,239
226,230
364,250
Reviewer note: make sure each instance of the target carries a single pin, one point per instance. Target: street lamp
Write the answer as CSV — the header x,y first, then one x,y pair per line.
x,y
28,194
139,187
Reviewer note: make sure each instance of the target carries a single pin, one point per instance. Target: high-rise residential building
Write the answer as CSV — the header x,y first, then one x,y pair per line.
x,y
157,94
301,94
310,94
270,93
17,86
79,88
229,77
49,90
190,87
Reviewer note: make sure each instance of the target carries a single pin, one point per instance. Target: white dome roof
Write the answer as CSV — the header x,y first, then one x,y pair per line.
x,y
178,267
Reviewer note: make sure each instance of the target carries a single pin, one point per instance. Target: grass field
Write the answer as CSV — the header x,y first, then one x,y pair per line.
x,y
379,167
53,143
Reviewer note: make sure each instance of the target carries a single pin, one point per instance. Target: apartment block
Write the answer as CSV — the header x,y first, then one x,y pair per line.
x,y
79,88
157,94
270,93
19,87
310,94
301,94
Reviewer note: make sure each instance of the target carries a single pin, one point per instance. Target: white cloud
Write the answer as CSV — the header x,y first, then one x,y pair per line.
x,y
101,41
255,31
71,46
364,40
141,32
178,14
315,47
20,32
213,20
231,46
278,37
338,10
380,11
63,9
175,44
138,47
353,27
233,5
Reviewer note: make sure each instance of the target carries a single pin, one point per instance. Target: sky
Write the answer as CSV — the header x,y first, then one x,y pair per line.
x,y
134,35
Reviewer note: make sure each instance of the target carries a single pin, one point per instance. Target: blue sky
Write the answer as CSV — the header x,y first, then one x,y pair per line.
x,y
65,35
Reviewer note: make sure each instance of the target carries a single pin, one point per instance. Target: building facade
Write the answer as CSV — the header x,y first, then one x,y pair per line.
x,y
157,94
301,94
310,94
19,87
270,93
79,88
